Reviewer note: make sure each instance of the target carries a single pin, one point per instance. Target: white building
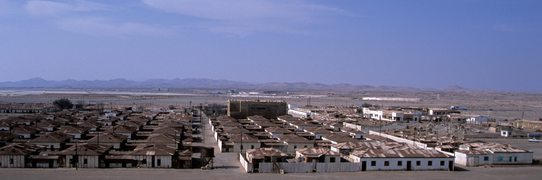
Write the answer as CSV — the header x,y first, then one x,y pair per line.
x,y
391,115
479,154
239,143
320,155
88,156
154,156
381,156
16,155
440,111
52,141
300,113
506,133
294,142
478,120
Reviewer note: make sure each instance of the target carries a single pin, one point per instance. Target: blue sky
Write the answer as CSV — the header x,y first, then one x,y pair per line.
x,y
479,44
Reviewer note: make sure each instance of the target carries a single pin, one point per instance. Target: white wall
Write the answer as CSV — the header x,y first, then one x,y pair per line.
x,y
309,167
293,146
92,162
352,126
246,165
246,146
461,158
398,139
393,164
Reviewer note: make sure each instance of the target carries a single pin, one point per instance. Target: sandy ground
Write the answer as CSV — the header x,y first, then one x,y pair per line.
x,y
523,173
497,105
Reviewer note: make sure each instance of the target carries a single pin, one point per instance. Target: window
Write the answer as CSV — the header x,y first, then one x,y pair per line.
x,y
386,163
85,161
11,161
500,158
144,161
515,159
418,163
159,162
373,163
295,147
486,158
442,163
332,159
251,146
510,159
429,163
399,163
241,147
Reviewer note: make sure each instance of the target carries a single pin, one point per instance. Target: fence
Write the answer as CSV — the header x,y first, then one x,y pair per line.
x,y
311,167
338,167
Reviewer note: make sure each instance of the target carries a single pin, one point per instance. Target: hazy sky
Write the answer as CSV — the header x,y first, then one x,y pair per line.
x,y
481,44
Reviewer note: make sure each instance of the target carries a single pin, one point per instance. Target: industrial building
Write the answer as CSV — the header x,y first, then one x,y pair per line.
x,y
269,109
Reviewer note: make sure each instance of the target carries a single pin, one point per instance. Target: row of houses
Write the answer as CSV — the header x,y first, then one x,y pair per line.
x,y
420,114
85,156
471,154
290,144
26,108
99,139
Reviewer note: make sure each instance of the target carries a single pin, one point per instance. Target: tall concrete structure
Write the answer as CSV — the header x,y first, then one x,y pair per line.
x,y
268,109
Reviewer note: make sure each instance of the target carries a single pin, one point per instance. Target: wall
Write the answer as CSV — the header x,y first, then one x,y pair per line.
x,y
310,167
292,146
246,146
92,162
461,158
243,109
18,161
393,164
165,161
48,145
246,165
297,167
338,167
398,139
352,126
522,158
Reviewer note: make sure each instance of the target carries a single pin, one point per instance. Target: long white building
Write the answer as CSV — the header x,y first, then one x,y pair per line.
x,y
391,115
479,154
393,156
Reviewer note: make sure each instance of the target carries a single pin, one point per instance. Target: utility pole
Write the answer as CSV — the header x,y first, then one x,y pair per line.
x,y
380,122
98,140
242,141
76,159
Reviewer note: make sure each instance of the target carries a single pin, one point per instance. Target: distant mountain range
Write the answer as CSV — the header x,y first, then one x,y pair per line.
x,y
198,84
